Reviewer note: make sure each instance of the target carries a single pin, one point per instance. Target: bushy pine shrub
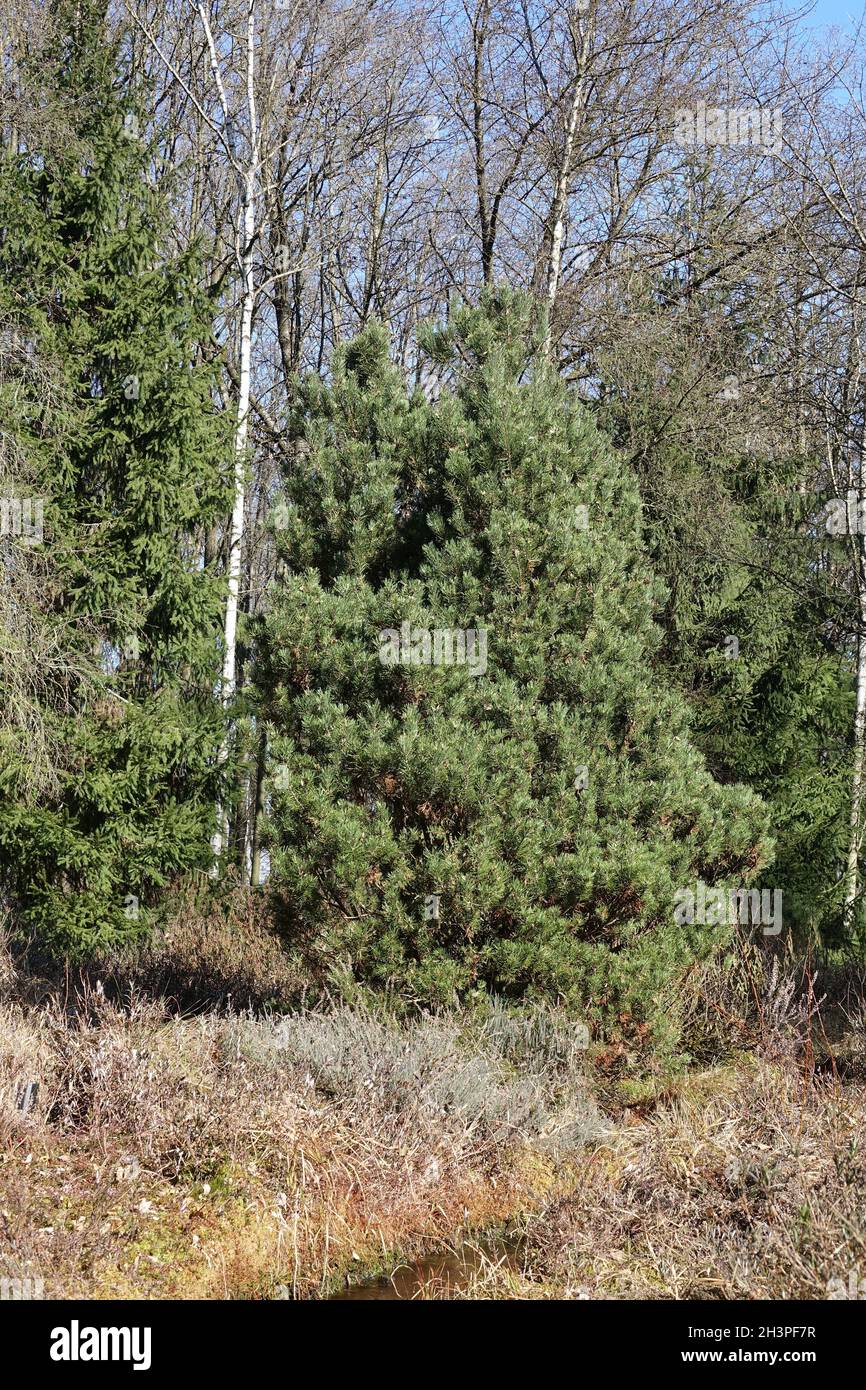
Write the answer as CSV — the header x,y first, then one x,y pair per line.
x,y
521,819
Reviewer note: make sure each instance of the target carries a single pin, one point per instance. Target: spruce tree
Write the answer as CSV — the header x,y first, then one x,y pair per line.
x,y
521,819
130,459
751,628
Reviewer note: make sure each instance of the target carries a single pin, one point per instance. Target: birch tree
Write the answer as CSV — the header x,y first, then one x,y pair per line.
x,y
246,165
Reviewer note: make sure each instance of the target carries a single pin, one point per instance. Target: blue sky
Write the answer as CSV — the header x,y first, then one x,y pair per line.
x,y
829,12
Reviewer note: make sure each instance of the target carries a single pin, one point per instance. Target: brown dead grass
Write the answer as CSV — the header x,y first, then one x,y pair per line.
x,y
238,1157
218,950
251,1155
748,1184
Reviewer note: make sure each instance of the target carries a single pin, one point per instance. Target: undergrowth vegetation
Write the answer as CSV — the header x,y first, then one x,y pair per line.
x,y
745,1183
154,1150
232,1155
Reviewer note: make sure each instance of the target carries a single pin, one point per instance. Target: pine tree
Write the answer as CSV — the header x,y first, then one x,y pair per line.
x,y
131,460
481,780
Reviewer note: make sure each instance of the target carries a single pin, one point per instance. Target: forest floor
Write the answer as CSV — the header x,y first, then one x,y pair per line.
x,y
240,1156
742,1182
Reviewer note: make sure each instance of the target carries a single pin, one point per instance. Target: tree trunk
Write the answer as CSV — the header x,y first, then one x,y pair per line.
x,y
259,812
559,204
236,532
855,836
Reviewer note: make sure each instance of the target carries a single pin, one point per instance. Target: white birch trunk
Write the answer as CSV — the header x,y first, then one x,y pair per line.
x,y
236,531
558,209
559,204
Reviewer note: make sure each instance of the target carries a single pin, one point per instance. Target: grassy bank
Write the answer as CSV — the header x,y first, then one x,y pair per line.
x,y
746,1183
170,1135
241,1157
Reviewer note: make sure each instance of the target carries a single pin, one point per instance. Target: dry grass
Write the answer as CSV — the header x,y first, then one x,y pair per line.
x,y
239,1154
229,1156
218,951
748,1184
741,1180
761,998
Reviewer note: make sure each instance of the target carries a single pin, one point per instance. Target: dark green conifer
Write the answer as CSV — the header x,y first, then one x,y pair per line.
x,y
129,455
520,820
